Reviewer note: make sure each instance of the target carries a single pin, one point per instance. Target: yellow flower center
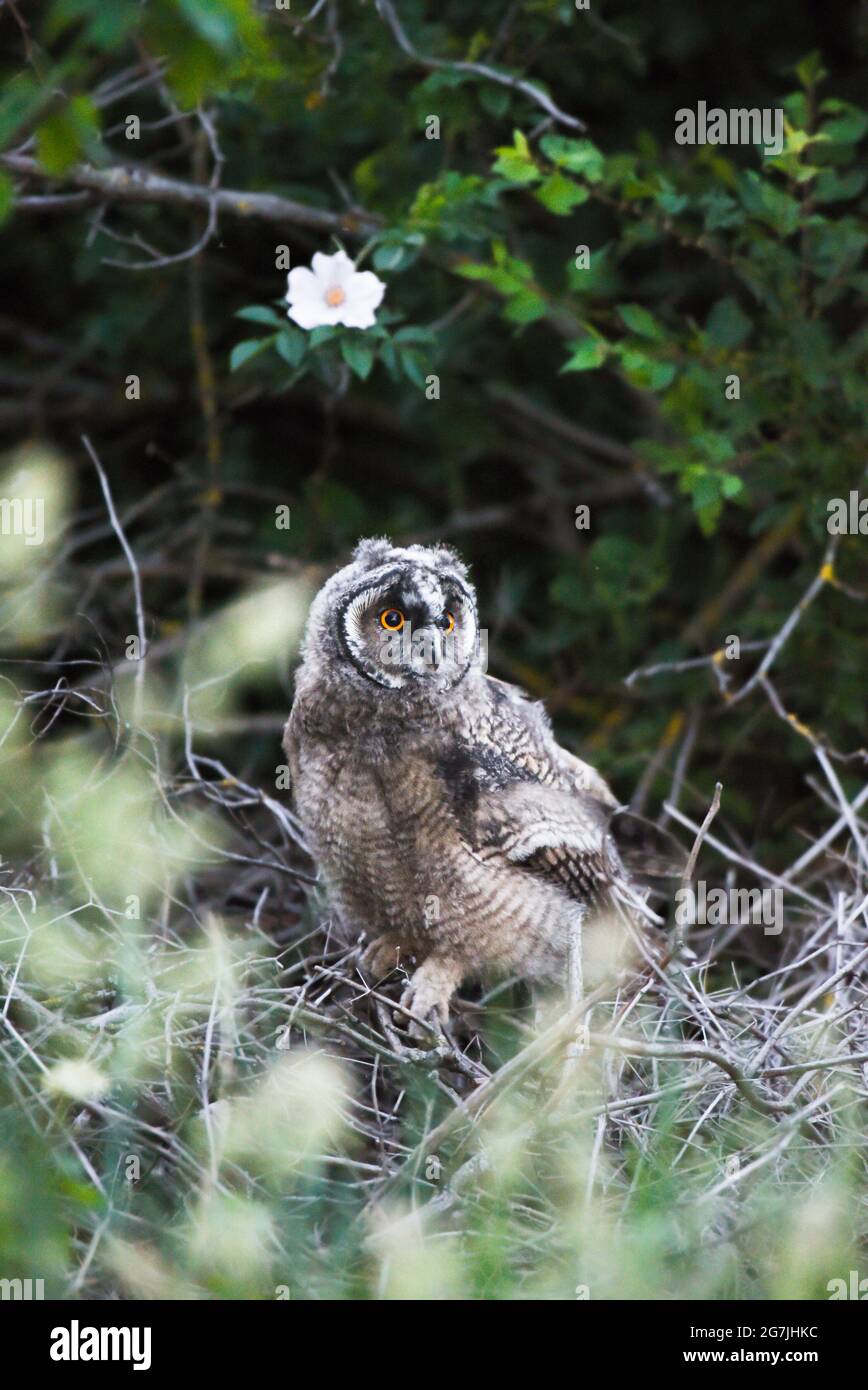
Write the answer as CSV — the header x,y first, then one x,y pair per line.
x,y
335,296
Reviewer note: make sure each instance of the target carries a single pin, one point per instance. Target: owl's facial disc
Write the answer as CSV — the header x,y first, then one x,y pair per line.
x,y
409,625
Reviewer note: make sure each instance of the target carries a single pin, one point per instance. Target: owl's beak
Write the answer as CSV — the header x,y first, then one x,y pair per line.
x,y
428,647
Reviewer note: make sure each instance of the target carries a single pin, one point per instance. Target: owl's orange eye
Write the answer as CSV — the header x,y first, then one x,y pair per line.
x,y
392,619
448,622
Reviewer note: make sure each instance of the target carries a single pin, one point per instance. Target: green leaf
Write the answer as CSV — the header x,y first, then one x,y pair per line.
x,y
65,136
728,326
494,100
323,334
389,358
505,281
798,140
661,375
397,250
560,195
204,41
212,22
707,503
715,446
708,489
259,313
640,321
670,201
525,307
413,367
415,333
103,26
634,188
809,70
720,210
587,354
579,156
763,200
358,355
291,345
508,276
244,351
473,270
515,161
514,169
847,129
20,100
832,187
648,373
389,256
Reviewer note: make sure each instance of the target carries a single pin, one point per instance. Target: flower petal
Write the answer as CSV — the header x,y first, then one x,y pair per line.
x,y
309,313
322,267
342,270
332,270
357,314
367,288
301,282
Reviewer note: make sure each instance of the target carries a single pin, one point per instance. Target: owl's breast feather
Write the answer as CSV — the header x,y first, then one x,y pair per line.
x,y
377,829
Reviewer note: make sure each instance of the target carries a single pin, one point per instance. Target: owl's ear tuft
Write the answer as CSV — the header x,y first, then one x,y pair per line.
x,y
372,552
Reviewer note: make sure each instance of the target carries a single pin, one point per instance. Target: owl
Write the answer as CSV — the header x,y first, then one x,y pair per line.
x,y
449,825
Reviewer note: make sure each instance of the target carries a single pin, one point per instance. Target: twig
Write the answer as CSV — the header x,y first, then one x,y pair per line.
x,y
137,582
535,94
690,866
821,578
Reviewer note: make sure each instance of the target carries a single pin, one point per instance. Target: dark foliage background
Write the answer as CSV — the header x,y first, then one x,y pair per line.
x,y
500,463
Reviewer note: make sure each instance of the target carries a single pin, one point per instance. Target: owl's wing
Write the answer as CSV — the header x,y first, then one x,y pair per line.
x,y
522,727
561,836
522,800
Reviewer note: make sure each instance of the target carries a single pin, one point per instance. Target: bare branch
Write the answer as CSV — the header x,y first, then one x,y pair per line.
x,y
134,184
535,94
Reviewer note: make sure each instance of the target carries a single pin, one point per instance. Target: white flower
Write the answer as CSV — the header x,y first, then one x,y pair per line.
x,y
333,292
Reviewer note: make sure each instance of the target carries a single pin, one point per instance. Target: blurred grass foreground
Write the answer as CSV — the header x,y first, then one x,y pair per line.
x,y
202,1098
626,377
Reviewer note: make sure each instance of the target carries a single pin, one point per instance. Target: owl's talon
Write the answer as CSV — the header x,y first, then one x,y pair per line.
x,y
418,1026
428,1004
428,994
